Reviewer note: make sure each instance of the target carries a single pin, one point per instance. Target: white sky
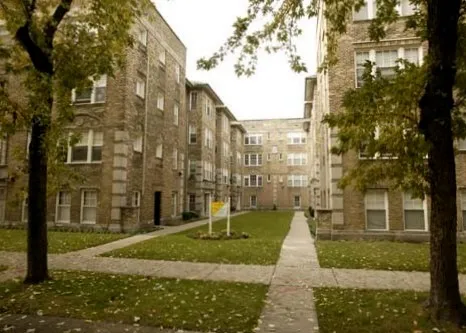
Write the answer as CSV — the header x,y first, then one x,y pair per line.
x,y
275,91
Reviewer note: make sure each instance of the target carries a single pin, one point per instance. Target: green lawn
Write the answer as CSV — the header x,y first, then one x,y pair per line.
x,y
380,255
368,311
181,304
59,242
267,231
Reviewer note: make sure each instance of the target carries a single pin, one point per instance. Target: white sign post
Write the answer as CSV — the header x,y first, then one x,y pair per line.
x,y
228,217
210,215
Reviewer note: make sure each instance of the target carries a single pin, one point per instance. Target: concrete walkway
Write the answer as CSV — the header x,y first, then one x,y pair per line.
x,y
290,304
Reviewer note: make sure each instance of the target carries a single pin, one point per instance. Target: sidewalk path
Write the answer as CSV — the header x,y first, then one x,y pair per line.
x,y
290,304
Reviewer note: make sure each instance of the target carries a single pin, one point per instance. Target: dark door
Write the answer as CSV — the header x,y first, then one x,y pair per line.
x,y
157,207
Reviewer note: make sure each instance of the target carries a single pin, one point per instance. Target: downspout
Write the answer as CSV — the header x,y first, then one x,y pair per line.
x,y
144,140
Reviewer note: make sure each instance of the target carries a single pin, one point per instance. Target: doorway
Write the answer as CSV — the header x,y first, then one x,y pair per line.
x,y
157,207
297,201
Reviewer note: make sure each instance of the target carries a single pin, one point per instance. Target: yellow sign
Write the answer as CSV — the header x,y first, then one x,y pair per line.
x,y
218,208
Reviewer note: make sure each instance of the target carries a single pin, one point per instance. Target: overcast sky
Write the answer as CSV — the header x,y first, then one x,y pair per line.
x,y
275,91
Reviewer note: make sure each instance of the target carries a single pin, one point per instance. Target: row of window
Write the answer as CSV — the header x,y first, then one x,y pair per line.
x,y
293,180
385,60
253,201
294,159
142,38
414,211
293,138
369,10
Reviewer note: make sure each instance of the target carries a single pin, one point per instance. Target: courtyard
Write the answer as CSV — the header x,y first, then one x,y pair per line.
x,y
277,280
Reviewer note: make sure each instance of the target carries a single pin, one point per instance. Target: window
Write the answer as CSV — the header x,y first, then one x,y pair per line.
x,y
297,159
209,138
297,180
280,157
252,159
274,149
225,174
208,107
361,59
175,159
280,179
253,201
462,144
162,57
297,201
269,157
226,124
141,88
386,62
296,138
160,101
3,149
269,178
193,101
208,171
25,212
376,209
412,55
159,151
63,209
253,181
89,206
97,93
136,199
362,14
406,8
176,111
88,149
174,204
142,37
253,139
178,73
137,144
192,168
414,213
192,202
192,134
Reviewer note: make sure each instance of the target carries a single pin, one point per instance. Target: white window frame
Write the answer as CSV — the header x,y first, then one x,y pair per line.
x,y
424,210
176,114
372,57
296,138
192,168
248,181
141,88
136,199
297,181
101,82
192,134
248,158
160,101
387,221
163,57
159,151
137,144
253,140
193,100
175,159
300,158
142,36
59,206
91,134
83,207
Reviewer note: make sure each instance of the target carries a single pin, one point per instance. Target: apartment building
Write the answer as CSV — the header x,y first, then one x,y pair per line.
x,y
132,148
380,212
276,164
237,150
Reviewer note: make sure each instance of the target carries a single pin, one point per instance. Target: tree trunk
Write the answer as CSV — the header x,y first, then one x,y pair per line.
x,y
37,270
436,120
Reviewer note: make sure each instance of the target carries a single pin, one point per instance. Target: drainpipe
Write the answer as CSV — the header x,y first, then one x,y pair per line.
x,y
144,140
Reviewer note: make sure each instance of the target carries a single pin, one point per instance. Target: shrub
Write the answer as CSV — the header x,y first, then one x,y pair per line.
x,y
274,207
186,216
311,211
222,235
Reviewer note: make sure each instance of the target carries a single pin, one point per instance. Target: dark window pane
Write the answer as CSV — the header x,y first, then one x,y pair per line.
x,y
376,220
100,94
83,96
79,154
414,220
96,154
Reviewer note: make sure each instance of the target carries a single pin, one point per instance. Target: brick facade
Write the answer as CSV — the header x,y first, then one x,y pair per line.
x,y
278,189
119,188
349,208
